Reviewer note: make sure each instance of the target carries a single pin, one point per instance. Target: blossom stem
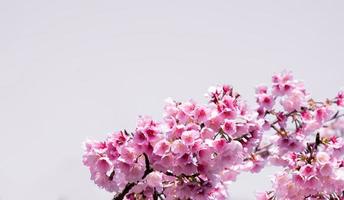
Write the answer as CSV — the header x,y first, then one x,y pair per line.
x,y
129,186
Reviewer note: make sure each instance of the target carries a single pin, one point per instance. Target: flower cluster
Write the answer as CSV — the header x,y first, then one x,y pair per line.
x,y
196,149
306,141
190,154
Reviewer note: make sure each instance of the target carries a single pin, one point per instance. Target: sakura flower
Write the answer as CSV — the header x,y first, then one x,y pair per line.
x,y
265,100
161,148
154,180
179,147
294,101
103,165
261,89
229,127
322,157
189,137
201,114
207,133
340,98
262,196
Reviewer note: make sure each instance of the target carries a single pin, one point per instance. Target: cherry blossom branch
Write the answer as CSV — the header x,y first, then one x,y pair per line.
x,y
129,186
194,150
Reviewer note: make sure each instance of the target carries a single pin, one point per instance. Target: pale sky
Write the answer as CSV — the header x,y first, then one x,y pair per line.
x,y
77,69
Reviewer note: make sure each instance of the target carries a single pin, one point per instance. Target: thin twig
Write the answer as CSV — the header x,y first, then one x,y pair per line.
x,y
129,186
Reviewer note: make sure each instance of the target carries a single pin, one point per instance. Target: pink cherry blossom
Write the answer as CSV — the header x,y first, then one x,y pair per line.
x,y
189,137
340,98
196,149
229,127
154,180
265,100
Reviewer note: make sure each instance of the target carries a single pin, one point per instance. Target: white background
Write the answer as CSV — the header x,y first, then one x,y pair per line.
x,y
72,69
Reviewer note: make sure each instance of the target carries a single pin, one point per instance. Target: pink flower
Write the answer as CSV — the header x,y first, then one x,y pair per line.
x,y
207,133
282,83
326,169
298,179
164,163
148,127
230,175
322,157
229,127
261,89
293,101
161,148
103,165
136,172
265,100
201,114
189,137
154,180
179,148
205,154
262,196
228,113
128,155
340,98
220,145
214,122
312,182
231,153
257,165
286,144
322,114
307,170
140,138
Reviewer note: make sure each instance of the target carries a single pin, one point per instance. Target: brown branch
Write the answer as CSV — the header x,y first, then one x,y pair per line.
x,y
244,136
129,186
149,169
336,116
125,191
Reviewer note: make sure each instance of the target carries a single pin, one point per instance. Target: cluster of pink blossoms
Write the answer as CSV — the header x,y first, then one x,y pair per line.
x,y
307,141
196,149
